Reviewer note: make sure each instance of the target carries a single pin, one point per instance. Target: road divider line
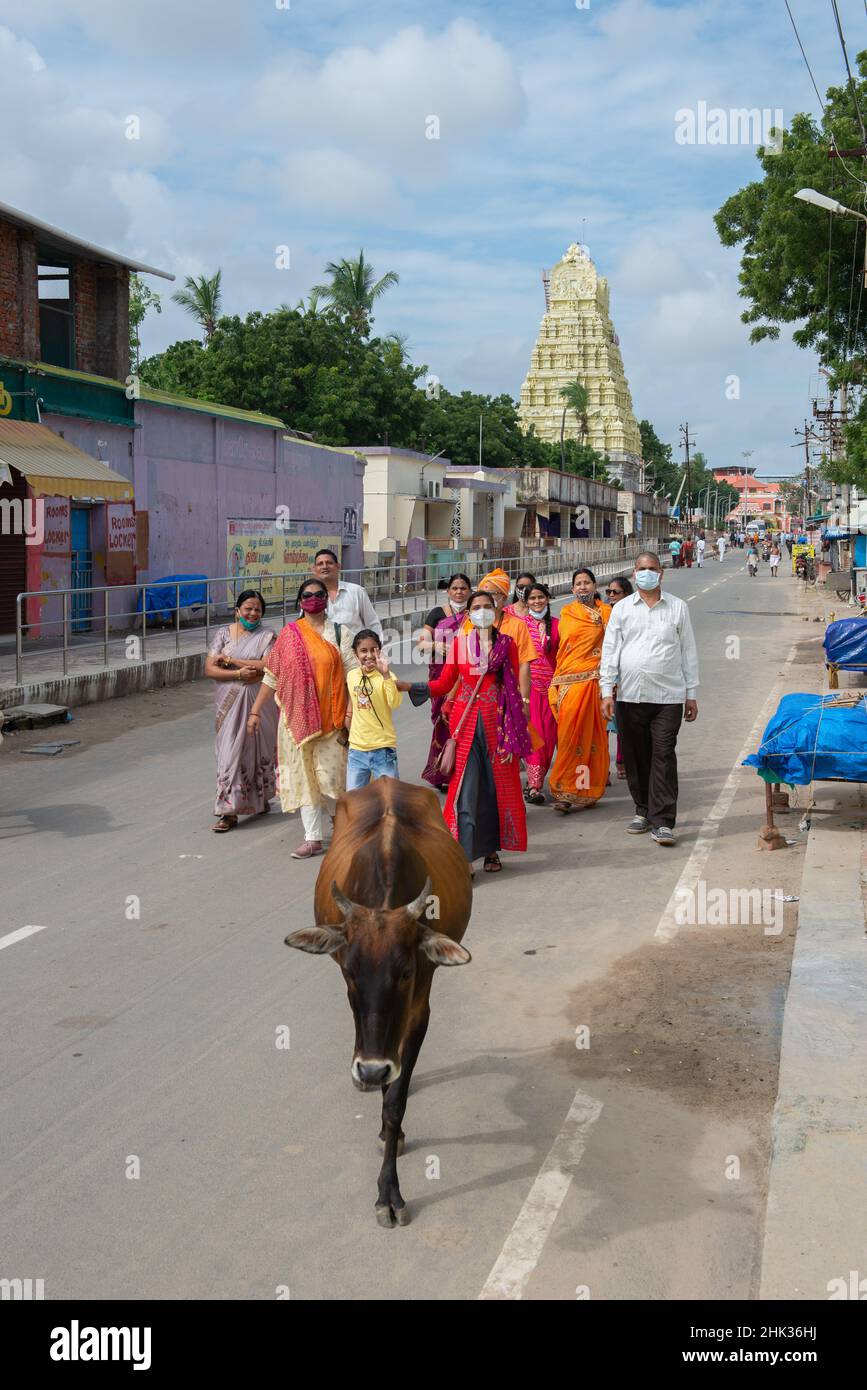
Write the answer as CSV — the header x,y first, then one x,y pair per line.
x,y
526,1240
18,935
668,926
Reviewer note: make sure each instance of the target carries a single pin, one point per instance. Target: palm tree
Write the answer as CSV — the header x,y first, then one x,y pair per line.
x,y
201,298
354,290
575,397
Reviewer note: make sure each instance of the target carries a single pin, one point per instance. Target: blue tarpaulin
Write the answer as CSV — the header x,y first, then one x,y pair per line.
x,y
159,599
814,739
846,643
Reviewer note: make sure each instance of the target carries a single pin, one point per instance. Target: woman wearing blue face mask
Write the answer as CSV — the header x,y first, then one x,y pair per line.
x,y
246,779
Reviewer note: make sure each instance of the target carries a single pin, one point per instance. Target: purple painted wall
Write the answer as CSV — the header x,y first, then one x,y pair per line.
x,y
191,472
194,471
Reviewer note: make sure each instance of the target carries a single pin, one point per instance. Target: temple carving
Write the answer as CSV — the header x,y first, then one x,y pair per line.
x,y
577,342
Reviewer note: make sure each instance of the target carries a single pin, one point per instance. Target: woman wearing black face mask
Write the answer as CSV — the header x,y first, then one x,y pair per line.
x,y
518,606
306,675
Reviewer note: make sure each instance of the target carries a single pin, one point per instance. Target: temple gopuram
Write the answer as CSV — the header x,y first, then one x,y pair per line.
x,y
577,342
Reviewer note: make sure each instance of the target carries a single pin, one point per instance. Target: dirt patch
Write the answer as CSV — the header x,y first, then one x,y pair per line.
x,y
110,719
699,1019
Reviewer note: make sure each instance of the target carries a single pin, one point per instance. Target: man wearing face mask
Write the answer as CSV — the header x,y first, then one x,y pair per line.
x,y
649,654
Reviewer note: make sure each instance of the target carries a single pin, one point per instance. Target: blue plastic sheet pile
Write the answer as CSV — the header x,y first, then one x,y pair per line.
x,y
159,598
846,643
815,739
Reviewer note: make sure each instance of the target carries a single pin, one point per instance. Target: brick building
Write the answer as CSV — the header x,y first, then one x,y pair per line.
x,y
105,483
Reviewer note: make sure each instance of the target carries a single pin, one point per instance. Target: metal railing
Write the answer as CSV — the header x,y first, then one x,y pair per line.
x,y
398,590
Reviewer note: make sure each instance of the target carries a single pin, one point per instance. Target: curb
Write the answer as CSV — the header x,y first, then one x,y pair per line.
x,y
816,1223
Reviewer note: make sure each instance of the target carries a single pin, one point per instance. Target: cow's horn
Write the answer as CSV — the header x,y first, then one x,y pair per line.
x,y
345,905
418,905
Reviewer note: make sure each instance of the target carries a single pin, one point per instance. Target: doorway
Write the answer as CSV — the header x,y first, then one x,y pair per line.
x,y
82,570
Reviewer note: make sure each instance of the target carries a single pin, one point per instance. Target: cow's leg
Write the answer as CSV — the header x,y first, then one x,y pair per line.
x,y
401,1137
390,1206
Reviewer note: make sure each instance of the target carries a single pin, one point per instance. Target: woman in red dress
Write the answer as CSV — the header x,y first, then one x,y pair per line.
x,y
484,809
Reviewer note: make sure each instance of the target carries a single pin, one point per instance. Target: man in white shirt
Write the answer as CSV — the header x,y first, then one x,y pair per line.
x,y
348,604
699,550
649,655
721,547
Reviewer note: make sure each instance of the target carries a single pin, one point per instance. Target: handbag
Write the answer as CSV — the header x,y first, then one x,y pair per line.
x,y
448,757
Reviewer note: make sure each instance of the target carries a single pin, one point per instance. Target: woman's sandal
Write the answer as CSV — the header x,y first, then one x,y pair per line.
x,y
492,864
564,807
621,772
224,823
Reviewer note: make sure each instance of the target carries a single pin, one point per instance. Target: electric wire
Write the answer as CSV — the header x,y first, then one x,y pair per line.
x,y
852,86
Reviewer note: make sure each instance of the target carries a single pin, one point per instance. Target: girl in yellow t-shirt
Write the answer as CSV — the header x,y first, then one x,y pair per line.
x,y
373,694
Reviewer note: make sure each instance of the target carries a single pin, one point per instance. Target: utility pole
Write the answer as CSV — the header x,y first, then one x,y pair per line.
x,y
684,430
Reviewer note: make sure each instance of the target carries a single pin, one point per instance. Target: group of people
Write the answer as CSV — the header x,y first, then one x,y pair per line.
x,y
770,552
509,684
683,552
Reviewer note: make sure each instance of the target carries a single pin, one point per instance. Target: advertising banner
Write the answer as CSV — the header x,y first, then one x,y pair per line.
x,y
257,549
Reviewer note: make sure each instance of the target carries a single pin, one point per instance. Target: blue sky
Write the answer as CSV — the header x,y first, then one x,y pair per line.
x,y
304,126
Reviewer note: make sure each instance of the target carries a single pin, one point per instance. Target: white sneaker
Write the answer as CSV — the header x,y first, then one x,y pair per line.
x,y
639,825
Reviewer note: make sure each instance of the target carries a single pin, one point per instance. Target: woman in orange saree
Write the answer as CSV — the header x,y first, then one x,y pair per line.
x,y
580,773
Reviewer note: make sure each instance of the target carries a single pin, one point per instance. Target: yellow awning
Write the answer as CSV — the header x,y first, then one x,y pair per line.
x,y
56,468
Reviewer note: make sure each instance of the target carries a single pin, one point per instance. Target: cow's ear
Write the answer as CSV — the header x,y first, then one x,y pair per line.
x,y
442,950
318,941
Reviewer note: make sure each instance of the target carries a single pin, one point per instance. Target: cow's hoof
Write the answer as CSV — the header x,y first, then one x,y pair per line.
x,y
388,1215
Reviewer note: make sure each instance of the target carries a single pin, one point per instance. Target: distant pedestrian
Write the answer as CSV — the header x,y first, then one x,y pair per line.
x,y
753,560
774,559
721,548
246,762
373,694
674,548
687,553
649,656
700,545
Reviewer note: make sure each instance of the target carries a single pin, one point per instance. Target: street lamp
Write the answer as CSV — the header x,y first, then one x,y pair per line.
x,y
819,200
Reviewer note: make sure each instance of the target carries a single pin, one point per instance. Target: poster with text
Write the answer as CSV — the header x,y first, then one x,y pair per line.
x,y
258,551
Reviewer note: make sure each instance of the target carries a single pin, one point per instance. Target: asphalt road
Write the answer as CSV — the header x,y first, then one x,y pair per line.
x,y
157,1143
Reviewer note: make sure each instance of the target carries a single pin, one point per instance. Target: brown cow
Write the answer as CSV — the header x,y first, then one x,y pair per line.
x,y
392,869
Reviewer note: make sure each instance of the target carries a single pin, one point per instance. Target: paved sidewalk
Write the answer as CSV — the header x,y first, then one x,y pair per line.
x,y
816,1229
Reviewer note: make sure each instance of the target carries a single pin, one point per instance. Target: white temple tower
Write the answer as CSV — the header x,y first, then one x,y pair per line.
x,y
577,342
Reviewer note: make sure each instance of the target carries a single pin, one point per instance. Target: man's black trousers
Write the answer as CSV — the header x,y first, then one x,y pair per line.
x,y
648,739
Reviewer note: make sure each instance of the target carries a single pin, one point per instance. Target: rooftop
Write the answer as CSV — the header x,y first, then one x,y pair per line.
x,y
59,240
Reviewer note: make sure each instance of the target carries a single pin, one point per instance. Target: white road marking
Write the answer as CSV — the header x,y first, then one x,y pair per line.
x,y
18,935
668,927
525,1242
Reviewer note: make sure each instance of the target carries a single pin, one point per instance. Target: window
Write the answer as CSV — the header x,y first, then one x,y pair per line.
x,y
56,319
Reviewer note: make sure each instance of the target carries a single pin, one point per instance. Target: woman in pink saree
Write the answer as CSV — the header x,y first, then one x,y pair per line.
x,y
545,632
246,763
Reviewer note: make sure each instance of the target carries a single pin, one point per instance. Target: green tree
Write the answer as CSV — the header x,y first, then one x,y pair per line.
x,y
202,298
661,470
177,369
801,265
141,299
312,371
353,290
574,396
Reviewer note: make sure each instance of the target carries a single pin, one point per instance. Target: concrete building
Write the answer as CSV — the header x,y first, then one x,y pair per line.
x,y
760,498
566,506
488,507
643,516
577,342
134,484
405,497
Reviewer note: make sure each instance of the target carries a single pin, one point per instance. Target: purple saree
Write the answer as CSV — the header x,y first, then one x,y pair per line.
x,y
246,774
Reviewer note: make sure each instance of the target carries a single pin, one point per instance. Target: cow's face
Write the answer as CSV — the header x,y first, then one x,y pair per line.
x,y
381,952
